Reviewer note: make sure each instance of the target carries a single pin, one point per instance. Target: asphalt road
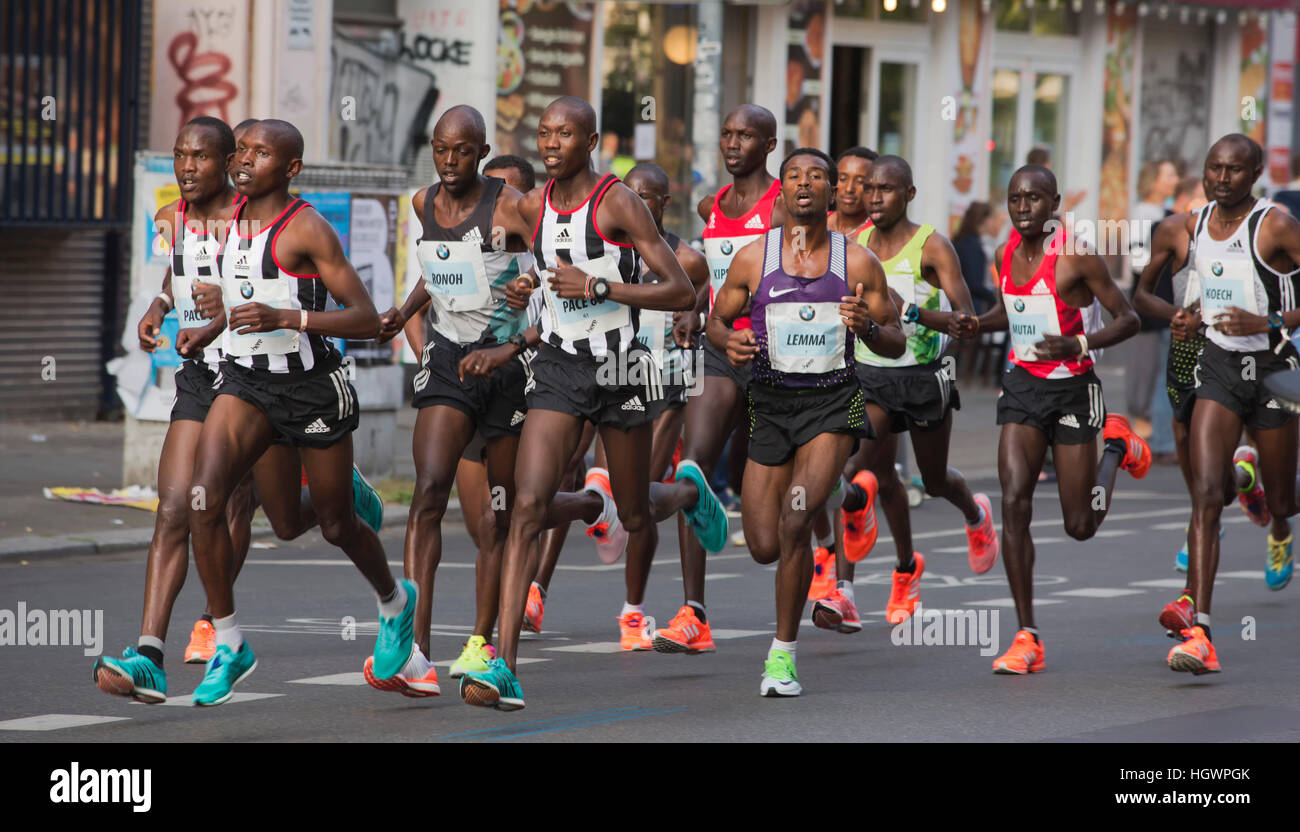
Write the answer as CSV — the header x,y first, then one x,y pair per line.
x,y
1106,677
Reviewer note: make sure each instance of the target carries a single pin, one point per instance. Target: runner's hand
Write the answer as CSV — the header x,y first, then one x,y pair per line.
x,y
854,310
255,317
1184,323
187,343
1056,348
686,325
207,298
149,327
569,281
961,325
484,362
1235,321
741,347
390,324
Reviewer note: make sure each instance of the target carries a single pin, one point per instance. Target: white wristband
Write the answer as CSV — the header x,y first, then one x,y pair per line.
x,y
1083,345
302,325
167,299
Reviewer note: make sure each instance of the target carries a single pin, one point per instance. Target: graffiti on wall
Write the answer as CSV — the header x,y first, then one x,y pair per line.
x,y
380,105
200,65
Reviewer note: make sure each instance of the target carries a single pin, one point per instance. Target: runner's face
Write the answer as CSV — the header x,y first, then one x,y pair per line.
x,y
1030,202
1228,173
807,187
654,198
886,197
565,147
742,145
259,166
851,190
199,166
456,156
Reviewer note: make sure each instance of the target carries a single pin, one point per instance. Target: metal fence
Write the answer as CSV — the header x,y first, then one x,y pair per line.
x,y
69,78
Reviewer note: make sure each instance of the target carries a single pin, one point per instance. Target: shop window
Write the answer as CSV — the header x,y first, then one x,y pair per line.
x,y
1002,159
1041,99
905,11
1044,17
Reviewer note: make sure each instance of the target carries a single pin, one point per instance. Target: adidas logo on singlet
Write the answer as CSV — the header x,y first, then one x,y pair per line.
x,y
755,222
317,426
712,219
562,237
516,419
903,267
472,236
1236,245
633,403
1040,288
241,262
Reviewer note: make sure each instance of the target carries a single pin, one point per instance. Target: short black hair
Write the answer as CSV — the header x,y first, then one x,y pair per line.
x,y
859,151
508,160
580,108
225,136
1038,170
756,116
287,133
652,172
1252,146
897,163
473,116
246,123
1039,156
831,167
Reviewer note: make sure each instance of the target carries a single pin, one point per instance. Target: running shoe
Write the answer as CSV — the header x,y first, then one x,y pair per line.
x,y
1252,497
1179,615
860,526
1181,559
823,580
535,608
1137,453
396,637
685,633
496,687
133,676
635,631
418,679
474,658
906,592
366,500
836,612
1025,656
203,643
226,669
670,476
779,676
1195,655
607,531
706,517
983,539
1277,569
738,539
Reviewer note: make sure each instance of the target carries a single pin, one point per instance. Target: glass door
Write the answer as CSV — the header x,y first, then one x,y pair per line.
x,y
1029,113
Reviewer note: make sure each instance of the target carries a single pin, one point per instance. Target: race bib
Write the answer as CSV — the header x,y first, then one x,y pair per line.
x,y
1225,283
239,289
720,251
805,337
577,318
651,332
183,290
454,274
905,285
1029,318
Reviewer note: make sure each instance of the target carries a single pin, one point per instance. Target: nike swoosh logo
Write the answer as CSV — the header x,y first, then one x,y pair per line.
x,y
773,293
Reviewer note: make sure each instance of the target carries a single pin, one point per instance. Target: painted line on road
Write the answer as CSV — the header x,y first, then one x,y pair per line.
x,y
1166,583
1010,602
1244,574
187,701
1098,592
55,722
713,576
354,679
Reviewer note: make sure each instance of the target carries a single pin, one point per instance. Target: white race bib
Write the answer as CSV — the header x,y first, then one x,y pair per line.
x,y
720,251
651,332
577,318
805,337
1029,318
454,274
1225,283
240,289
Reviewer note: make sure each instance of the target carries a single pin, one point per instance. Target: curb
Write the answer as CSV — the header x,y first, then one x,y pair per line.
x,y
126,540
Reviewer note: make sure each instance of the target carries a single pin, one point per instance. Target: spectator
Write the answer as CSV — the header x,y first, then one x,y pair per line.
x,y
1157,181
1289,197
968,242
1043,156
1189,195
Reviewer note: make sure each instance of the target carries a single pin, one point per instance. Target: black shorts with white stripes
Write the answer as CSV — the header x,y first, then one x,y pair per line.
x,y
916,398
495,402
620,390
1236,381
314,409
1069,410
195,389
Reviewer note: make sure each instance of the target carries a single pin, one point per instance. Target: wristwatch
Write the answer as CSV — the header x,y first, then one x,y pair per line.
x,y
600,289
1275,320
519,341
912,313
872,329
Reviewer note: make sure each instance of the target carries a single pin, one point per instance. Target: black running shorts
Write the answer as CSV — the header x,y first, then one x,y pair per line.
x,y
916,398
196,388
1070,411
622,391
314,409
1236,381
782,419
495,403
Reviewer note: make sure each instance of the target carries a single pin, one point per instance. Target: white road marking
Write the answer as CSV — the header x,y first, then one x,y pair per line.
x,y
713,576
450,662
1098,592
1165,583
1011,602
613,646
354,679
54,722
1114,532
187,701
1245,574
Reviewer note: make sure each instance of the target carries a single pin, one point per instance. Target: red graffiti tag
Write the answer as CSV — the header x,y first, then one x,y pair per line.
x,y
205,88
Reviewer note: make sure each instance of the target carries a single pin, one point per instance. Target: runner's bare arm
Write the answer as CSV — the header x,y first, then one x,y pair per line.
x,y
1282,237
394,320
872,298
695,265
1168,233
706,206
995,320
508,227
940,266
1091,269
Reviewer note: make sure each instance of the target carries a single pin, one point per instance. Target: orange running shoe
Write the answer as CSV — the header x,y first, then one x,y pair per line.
x,y
1025,656
635,630
1179,615
686,633
860,526
203,643
906,593
417,679
836,612
533,612
982,540
1137,453
1196,654
671,476
823,580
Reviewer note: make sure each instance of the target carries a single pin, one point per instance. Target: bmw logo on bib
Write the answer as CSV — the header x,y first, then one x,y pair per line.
x,y
246,289
806,313
726,247
443,252
1020,305
1217,268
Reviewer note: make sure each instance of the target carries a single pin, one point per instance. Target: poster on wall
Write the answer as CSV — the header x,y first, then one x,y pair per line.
x,y
200,65
452,40
543,52
385,105
805,51
1117,121
970,84
1252,83
1281,97
373,231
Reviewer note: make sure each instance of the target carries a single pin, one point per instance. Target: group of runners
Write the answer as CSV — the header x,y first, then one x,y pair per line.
x,y
812,328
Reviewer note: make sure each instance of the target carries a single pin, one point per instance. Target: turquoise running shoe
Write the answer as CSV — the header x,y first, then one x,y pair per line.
x,y
779,676
1180,559
495,687
226,669
366,500
396,637
1278,567
133,676
707,517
